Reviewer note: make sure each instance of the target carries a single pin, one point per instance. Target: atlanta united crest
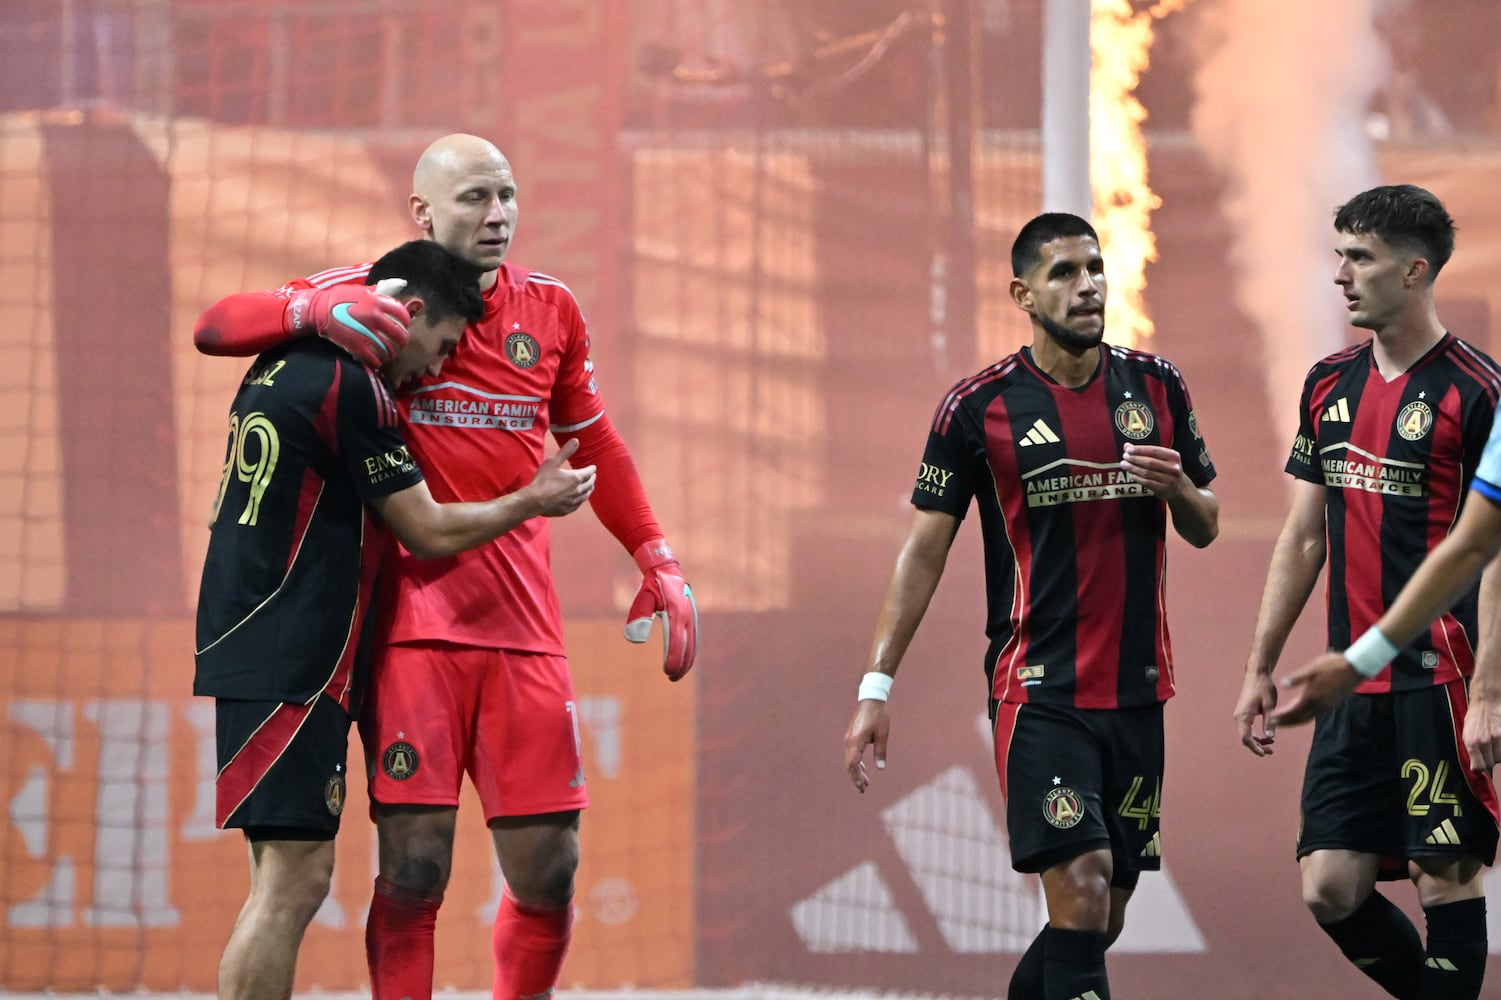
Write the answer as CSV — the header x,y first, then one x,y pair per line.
x,y
1063,808
1133,419
522,349
1415,420
334,794
399,761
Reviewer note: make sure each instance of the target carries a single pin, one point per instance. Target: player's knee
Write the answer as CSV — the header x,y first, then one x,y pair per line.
x,y
292,900
555,885
1331,899
550,881
1446,880
421,874
1078,893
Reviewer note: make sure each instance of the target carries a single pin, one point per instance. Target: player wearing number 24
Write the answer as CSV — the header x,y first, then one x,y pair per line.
x,y
1076,454
315,454
1390,435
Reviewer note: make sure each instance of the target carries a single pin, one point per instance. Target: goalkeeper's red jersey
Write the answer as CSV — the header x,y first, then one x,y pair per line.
x,y
477,431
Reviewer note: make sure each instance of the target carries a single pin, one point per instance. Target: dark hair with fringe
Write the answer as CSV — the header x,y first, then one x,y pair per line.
x,y
1406,216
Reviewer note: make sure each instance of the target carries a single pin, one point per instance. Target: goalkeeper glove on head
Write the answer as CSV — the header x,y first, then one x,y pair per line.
x,y
371,327
666,595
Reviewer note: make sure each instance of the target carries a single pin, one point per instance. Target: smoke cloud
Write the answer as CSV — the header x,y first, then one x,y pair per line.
x,y
1281,107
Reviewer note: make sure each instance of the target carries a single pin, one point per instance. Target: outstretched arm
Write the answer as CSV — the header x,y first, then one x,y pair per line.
x,y
919,567
1450,569
242,325
1297,560
431,530
1482,729
370,326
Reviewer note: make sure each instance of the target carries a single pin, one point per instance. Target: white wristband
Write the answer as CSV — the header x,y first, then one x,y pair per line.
x,y
1370,654
875,686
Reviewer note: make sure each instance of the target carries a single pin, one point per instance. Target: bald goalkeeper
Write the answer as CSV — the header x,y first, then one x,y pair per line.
x,y
470,673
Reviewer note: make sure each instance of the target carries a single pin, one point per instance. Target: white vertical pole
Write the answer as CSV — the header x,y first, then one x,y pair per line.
x,y
1065,108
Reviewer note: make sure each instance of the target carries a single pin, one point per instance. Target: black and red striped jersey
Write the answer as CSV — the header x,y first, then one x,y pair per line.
x,y
1074,550
1395,459
293,550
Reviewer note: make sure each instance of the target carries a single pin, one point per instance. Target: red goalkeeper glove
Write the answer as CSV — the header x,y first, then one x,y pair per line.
x,y
666,595
370,326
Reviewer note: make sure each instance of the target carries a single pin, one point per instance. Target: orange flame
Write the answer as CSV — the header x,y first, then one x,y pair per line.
x,y
1121,42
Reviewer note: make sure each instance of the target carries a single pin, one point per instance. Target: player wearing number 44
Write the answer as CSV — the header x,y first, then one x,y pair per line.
x,y
1389,438
1076,454
314,448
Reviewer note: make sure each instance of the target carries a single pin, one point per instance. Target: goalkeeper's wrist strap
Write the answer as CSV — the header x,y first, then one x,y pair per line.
x,y
653,553
875,686
1370,654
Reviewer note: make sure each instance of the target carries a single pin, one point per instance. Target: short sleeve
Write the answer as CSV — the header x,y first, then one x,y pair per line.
x,y
946,476
1301,463
370,444
1188,442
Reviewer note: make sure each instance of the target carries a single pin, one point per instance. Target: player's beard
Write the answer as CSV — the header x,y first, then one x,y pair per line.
x,y
1071,340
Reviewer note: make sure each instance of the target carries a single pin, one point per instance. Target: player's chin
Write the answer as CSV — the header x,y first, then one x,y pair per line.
x,y
489,256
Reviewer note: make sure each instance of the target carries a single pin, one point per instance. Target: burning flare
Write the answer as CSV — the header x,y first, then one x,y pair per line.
x,y
1121,41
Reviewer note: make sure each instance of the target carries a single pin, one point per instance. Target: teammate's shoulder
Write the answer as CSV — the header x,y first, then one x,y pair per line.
x,y
543,286
298,354
353,274
368,388
1476,362
1340,359
294,373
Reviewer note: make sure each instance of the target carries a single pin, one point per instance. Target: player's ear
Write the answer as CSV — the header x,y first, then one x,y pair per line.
x,y
414,305
421,212
1417,270
1021,294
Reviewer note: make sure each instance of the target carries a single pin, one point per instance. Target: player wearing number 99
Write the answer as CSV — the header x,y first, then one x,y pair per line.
x,y
283,631
1075,454
469,674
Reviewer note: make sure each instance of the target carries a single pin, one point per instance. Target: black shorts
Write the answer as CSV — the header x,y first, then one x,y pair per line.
x,y
1079,780
281,765
1388,775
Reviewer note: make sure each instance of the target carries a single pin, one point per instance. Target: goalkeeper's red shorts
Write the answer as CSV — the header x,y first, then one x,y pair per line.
x,y
437,710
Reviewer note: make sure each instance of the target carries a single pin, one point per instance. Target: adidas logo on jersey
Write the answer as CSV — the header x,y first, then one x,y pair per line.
x,y
1088,995
1040,433
1339,411
1444,833
1441,963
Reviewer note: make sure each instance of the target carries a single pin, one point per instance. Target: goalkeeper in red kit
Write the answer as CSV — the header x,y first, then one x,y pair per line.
x,y
469,672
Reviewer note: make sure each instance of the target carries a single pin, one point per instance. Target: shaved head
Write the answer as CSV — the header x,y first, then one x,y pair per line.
x,y
454,154
464,197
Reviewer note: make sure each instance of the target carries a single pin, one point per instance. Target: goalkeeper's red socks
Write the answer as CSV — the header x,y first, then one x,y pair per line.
x,y
529,944
399,943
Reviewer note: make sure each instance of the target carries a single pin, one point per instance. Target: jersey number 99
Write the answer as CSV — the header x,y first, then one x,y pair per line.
x,y
251,457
